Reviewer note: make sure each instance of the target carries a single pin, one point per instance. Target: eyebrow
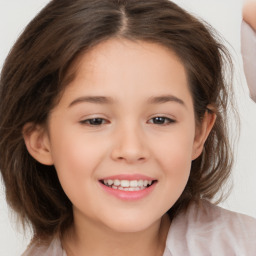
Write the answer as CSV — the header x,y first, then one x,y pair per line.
x,y
92,99
165,99
107,100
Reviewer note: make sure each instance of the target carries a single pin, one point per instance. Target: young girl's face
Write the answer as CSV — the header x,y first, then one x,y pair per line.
x,y
126,122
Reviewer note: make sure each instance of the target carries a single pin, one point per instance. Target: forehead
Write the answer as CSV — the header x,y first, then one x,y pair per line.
x,y
121,68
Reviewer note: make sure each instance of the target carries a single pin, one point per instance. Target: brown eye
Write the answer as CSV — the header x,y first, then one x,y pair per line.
x,y
160,120
94,121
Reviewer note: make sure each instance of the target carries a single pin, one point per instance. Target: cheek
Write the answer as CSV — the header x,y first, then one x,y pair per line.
x,y
75,165
175,158
174,151
75,159
73,150
176,170
176,165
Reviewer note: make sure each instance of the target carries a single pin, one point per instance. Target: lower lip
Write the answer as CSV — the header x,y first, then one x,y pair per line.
x,y
129,195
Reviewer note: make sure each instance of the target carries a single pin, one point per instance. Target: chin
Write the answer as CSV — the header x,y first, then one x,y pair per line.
x,y
131,225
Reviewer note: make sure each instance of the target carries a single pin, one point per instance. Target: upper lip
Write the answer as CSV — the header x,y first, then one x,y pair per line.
x,y
128,177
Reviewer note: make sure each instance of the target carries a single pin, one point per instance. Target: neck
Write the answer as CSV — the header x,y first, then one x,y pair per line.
x,y
90,239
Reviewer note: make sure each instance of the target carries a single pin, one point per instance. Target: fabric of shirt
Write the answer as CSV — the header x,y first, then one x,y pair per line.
x,y
248,48
202,230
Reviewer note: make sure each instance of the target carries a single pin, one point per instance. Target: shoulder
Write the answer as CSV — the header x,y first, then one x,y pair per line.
x,y
52,248
206,228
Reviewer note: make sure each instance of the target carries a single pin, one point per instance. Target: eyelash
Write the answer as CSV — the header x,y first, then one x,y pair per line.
x,y
97,121
163,120
160,120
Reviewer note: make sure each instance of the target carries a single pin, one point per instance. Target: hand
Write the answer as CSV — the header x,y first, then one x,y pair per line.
x,y
249,13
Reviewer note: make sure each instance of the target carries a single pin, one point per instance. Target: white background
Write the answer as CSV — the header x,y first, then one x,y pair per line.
x,y
225,16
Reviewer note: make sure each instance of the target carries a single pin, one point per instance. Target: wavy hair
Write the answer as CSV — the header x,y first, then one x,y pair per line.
x,y
36,72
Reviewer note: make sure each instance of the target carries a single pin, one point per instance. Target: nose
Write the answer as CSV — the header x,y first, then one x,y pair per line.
x,y
130,146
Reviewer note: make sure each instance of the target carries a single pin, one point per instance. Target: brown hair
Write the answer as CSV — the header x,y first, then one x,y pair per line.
x,y
35,73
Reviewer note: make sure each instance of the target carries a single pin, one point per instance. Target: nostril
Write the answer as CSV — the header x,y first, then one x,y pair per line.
x,y
129,149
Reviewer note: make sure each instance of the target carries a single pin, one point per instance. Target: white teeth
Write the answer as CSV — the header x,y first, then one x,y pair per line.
x,y
135,189
110,182
125,183
140,183
128,185
133,183
117,182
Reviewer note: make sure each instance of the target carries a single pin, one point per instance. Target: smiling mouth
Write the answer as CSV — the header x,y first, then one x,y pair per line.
x,y
128,185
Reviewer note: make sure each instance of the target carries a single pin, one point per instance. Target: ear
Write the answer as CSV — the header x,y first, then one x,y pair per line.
x,y
37,142
202,132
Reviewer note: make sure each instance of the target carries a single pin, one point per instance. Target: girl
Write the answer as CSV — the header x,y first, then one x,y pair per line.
x,y
113,132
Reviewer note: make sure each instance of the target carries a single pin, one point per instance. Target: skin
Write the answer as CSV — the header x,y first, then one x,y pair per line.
x,y
127,141
249,13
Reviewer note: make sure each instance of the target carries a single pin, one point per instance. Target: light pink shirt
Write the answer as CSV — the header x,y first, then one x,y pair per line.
x,y
200,231
211,230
